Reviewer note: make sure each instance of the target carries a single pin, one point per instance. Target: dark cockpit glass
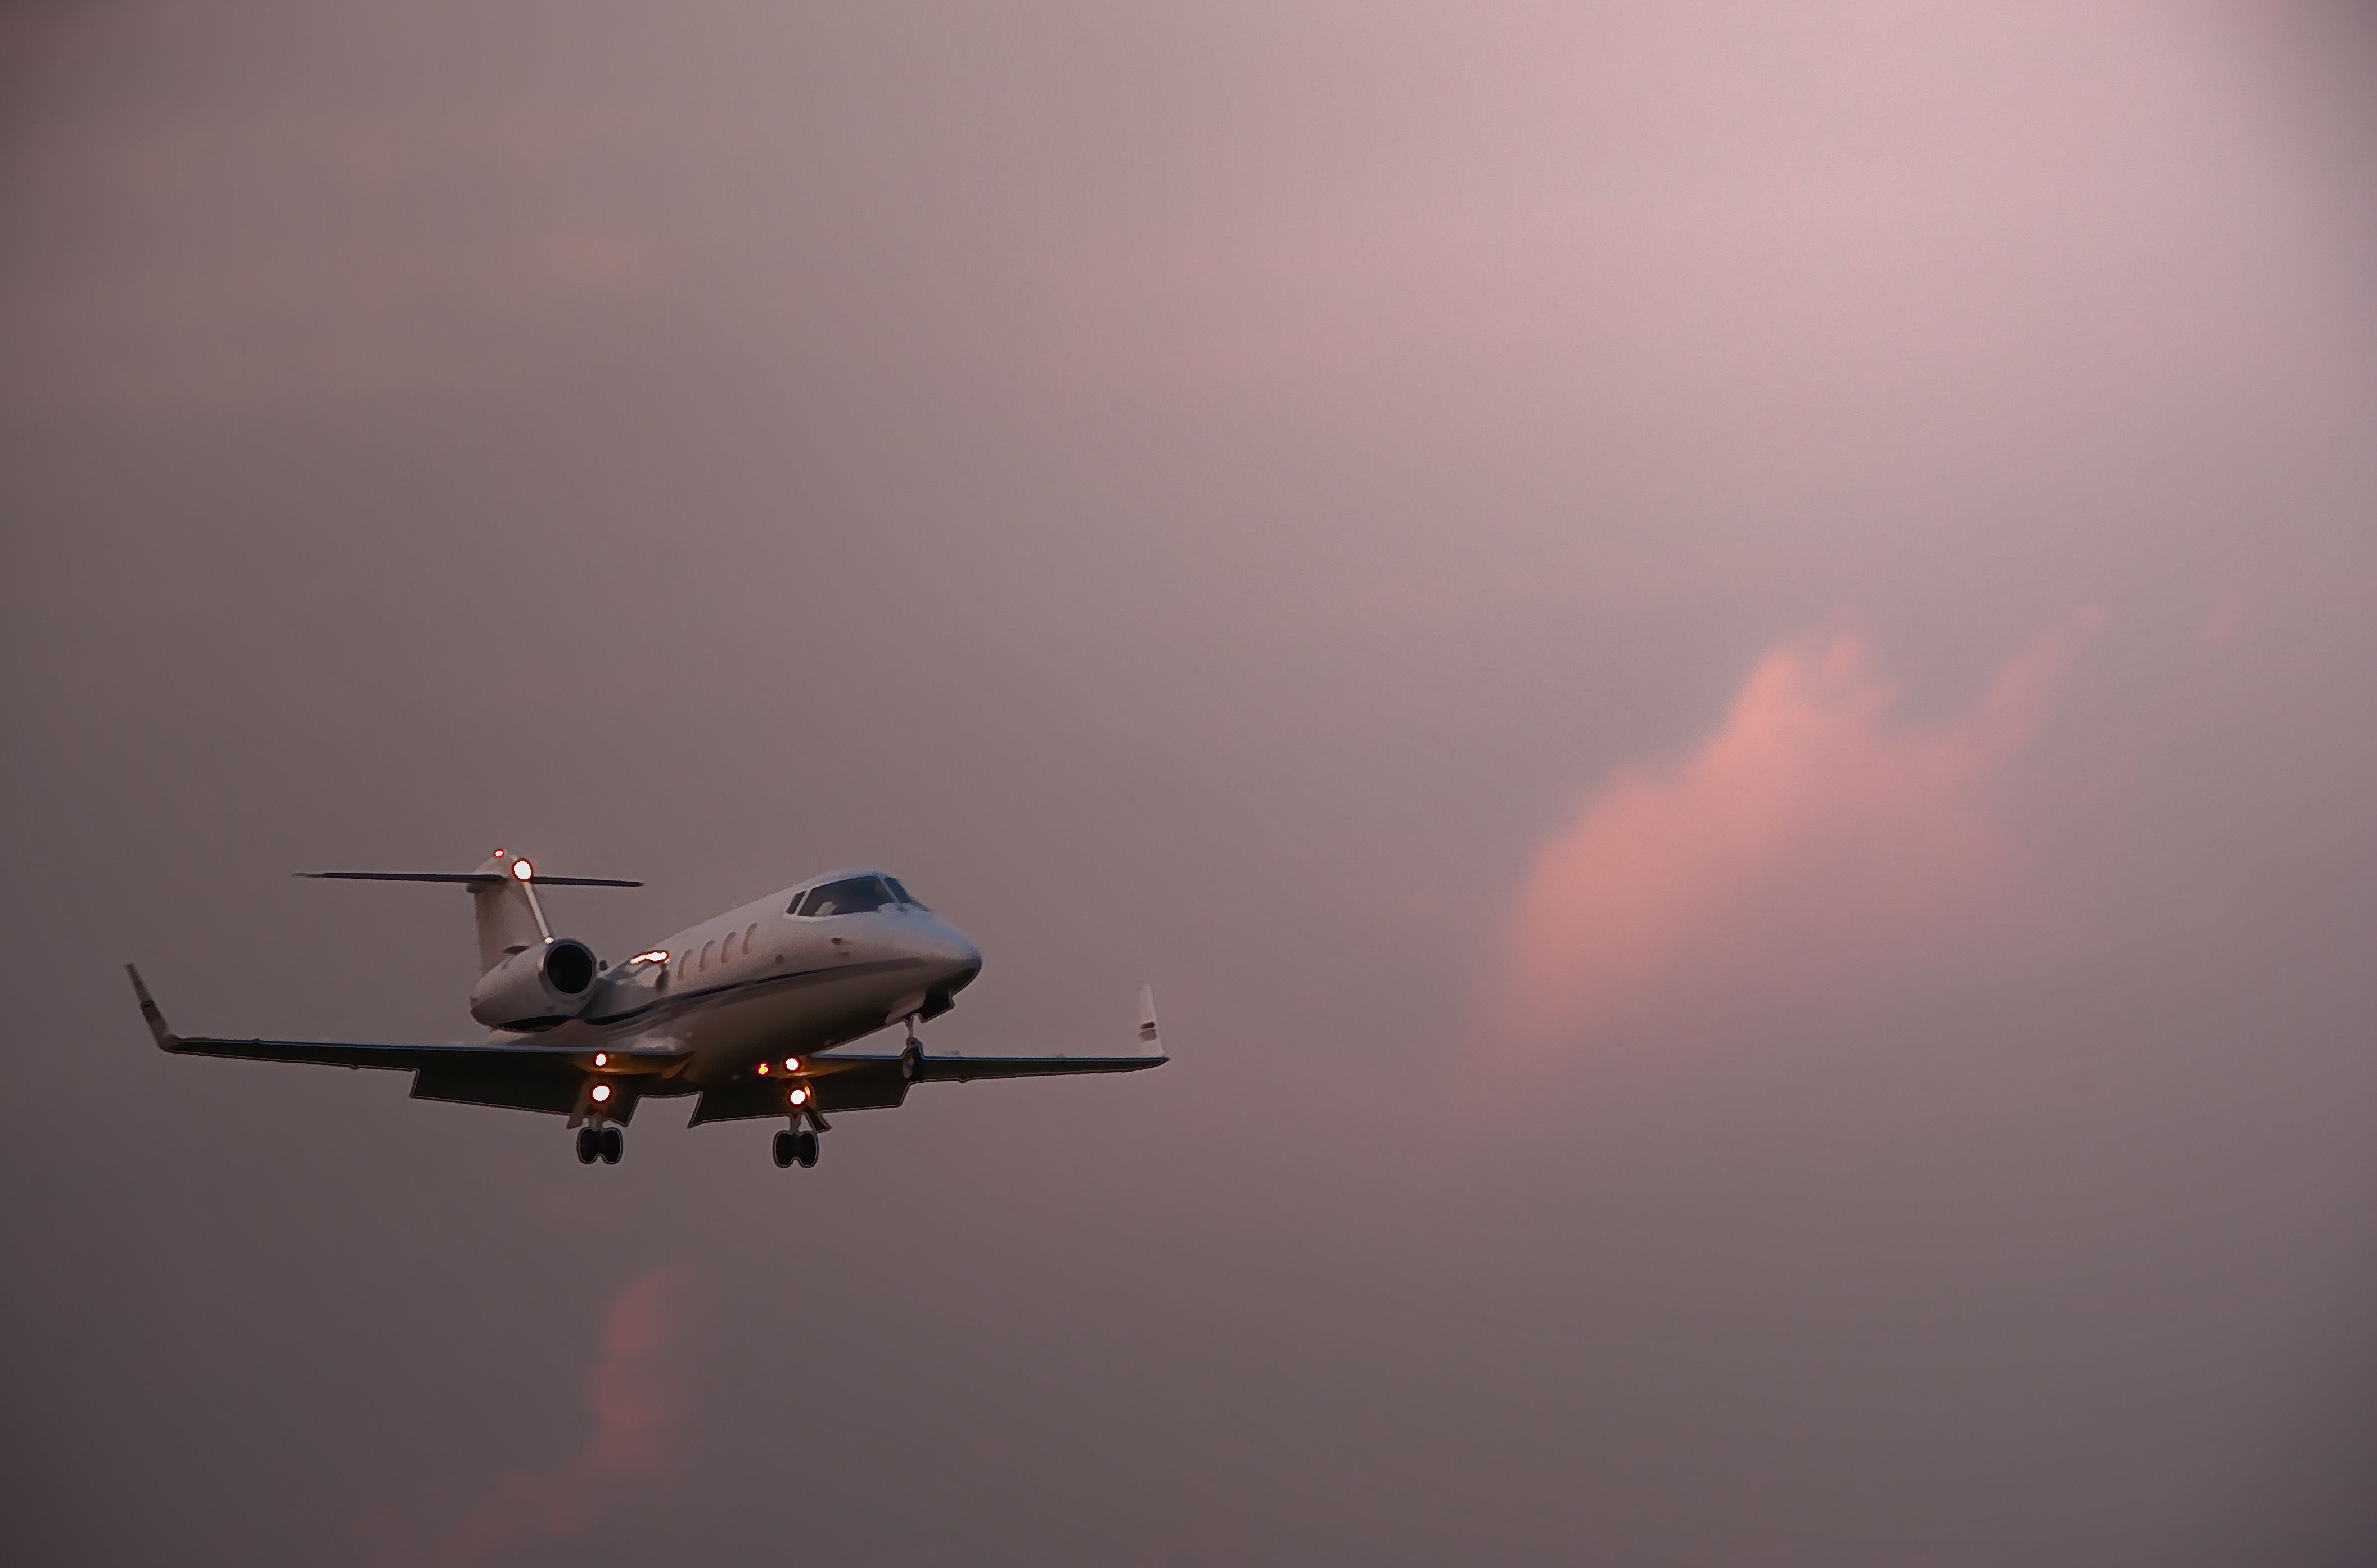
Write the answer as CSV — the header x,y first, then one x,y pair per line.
x,y
903,895
851,895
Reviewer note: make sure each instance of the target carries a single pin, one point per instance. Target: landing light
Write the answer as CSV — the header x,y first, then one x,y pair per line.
x,y
522,870
602,1059
792,1063
602,1093
763,1069
798,1097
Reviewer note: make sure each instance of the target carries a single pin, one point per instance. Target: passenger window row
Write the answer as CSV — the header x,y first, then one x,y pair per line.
x,y
725,950
850,896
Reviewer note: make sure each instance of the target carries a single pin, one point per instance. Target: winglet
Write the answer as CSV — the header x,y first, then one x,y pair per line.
x,y
166,1038
1150,1042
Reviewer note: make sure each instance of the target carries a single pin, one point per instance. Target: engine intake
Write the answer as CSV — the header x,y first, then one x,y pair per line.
x,y
537,987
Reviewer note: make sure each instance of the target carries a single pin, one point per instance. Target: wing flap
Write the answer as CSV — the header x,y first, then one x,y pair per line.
x,y
876,1082
513,1085
862,1083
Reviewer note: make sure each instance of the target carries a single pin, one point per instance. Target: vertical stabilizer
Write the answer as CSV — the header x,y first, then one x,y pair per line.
x,y
508,922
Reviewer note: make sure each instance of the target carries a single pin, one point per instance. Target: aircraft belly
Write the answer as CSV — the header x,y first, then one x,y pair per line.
x,y
731,1034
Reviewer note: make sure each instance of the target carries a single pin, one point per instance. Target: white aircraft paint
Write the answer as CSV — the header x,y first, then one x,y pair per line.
x,y
749,1011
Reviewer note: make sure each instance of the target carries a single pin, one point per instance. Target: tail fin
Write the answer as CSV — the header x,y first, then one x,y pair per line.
x,y
507,912
503,899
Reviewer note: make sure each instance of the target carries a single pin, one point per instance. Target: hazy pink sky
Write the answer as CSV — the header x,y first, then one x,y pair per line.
x,y
1721,659
1807,845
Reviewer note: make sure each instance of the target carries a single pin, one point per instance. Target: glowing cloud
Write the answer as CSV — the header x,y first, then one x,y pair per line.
x,y
635,1408
1805,837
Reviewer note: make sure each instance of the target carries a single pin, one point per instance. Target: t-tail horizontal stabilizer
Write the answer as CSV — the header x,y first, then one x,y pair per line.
x,y
482,878
503,899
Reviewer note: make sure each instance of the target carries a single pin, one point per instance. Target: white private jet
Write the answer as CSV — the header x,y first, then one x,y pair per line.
x,y
747,1011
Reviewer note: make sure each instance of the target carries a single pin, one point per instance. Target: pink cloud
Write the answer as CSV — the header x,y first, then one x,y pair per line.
x,y
633,1395
1810,836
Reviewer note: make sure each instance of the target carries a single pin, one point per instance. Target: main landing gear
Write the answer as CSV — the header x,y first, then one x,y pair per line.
x,y
797,1145
605,1143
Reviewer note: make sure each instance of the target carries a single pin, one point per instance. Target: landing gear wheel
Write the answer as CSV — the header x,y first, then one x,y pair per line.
x,y
614,1144
586,1145
804,1147
786,1149
911,1061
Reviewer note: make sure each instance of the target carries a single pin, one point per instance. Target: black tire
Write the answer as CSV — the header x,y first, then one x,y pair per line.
x,y
912,1062
784,1150
806,1148
586,1146
614,1143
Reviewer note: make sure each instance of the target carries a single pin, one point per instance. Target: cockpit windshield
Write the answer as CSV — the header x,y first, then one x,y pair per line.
x,y
851,895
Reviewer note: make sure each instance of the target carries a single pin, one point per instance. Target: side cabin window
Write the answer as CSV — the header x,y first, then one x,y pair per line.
x,y
749,932
851,895
705,953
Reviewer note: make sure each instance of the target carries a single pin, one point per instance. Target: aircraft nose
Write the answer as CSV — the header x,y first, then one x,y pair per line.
x,y
948,950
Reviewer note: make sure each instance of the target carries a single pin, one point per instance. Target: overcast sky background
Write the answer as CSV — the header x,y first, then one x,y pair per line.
x,y
1720,658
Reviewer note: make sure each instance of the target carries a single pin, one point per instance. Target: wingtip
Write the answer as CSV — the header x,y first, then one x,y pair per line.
x,y
1151,1042
149,1014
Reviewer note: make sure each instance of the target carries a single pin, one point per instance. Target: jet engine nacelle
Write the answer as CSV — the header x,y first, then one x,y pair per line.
x,y
536,987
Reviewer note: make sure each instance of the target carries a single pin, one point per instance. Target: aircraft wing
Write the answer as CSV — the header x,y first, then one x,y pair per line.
x,y
963,1069
878,1082
522,1077
856,1081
